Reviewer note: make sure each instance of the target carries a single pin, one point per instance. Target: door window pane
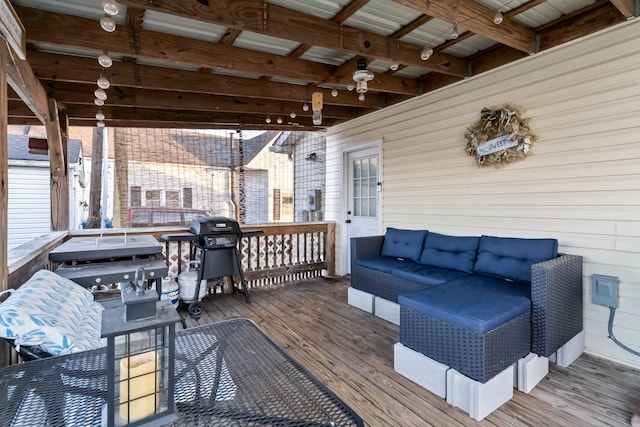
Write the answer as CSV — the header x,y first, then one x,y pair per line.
x,y
365,195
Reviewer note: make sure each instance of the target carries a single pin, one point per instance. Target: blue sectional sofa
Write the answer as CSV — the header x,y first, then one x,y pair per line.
x,y
476,304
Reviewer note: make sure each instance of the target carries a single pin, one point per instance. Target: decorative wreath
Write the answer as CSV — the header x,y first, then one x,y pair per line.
x,y
500,136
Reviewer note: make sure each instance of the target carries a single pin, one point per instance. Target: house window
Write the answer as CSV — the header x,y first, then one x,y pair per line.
x,y
172,198
135,196
365,195
187,197
152,198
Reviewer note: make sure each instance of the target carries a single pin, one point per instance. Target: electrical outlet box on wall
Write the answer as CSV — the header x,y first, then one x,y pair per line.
x,y
604,290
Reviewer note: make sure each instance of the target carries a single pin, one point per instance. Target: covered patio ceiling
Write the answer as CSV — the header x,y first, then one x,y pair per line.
x,y
241,63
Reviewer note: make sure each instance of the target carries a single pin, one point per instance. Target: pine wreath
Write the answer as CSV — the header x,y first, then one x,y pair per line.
x,y
494,123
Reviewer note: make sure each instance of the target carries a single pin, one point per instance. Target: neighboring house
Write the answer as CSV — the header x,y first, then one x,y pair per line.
x,y
29,209
198,169
307,150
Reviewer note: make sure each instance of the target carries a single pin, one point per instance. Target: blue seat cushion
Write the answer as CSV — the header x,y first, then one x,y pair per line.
x,y
476,303
405,244
453,252
381,263
512,258
426,275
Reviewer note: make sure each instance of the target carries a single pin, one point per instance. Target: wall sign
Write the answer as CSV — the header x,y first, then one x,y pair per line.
x,y
500,136
12,30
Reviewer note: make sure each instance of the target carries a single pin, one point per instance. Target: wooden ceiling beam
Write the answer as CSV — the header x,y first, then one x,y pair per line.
x,y
74,93
594,17
479,19
83,33
411,26
237,124
18,113
307,29
65,68
626,7
25,85
352,7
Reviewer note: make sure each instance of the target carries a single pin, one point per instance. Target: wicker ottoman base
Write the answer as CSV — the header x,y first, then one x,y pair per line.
x,y
480,356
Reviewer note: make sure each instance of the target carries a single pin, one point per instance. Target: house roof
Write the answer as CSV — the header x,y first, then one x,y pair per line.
x,y
231,64
190,147
19,149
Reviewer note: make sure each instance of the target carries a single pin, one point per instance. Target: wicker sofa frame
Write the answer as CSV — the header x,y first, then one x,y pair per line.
x,y
555,317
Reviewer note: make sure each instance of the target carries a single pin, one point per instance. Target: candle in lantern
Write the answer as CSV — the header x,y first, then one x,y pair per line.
x,y
137,387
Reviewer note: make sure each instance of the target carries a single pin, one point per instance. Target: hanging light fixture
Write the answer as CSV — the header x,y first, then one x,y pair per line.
x,y
100,94
361,76
426,53
279,120
100,115
108,24
268,119
110,6
334,92
455,33
349,87
103,83
361,97
292,115
394,66
498,18
105,60
98,102
100,124
305,107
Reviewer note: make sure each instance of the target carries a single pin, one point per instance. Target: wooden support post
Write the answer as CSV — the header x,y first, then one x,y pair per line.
x,y
57,155
330,249
59,169
95,191
4,166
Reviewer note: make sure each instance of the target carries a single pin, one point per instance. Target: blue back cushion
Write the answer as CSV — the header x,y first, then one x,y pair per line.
x,y
405,244
452,252
512,258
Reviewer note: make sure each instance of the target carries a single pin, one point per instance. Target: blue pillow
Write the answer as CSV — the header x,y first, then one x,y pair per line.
x,y
512,258
452,252
405,244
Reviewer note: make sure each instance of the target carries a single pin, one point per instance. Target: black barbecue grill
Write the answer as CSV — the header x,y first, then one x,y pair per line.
x,y
217,239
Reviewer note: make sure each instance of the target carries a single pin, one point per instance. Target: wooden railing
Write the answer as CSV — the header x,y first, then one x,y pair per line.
x,y
281,253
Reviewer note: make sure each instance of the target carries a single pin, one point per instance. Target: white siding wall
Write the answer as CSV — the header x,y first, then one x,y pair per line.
x,y
581,185
29,208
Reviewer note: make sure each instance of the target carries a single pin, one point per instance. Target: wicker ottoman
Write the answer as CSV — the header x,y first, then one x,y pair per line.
x,y
478,326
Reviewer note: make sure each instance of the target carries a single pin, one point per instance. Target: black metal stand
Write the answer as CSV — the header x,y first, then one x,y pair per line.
x,y
218,263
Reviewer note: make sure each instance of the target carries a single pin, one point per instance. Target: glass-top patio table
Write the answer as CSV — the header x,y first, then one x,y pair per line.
x,y
227,374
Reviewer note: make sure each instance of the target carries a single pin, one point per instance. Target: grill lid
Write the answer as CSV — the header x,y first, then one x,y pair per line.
x,y
206,226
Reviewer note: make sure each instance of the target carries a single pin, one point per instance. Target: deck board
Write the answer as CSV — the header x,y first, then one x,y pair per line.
x,y
351,352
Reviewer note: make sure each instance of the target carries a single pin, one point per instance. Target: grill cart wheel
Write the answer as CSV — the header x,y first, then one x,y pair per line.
x,y
195,309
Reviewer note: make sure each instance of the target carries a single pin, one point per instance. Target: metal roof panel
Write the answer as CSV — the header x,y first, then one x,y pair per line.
x,y
183,27
382,17
264,43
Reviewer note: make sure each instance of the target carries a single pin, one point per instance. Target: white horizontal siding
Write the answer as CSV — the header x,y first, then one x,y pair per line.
x,y
580,185
29,204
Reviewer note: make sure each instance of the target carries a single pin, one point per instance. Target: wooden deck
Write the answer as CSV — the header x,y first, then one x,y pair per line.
x,y
352,353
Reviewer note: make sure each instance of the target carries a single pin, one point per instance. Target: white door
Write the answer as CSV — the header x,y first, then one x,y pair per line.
x,y
363,196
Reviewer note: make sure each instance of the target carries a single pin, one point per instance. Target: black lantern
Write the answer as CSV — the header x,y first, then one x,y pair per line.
x,y
140,364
